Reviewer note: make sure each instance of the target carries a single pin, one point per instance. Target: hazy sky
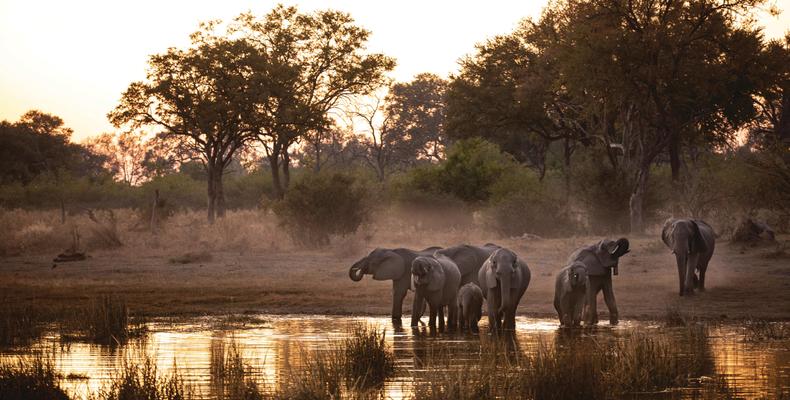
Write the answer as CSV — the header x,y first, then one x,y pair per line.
x,y
74,58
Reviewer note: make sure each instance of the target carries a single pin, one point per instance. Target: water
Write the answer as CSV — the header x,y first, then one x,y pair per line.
x,y
274,346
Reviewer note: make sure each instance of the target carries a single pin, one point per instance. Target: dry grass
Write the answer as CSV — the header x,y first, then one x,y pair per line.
x,y
139,379
32,378
758,330
18,325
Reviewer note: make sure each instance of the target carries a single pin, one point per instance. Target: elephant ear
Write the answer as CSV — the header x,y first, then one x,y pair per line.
x,y
390,267
593,263
437,276
491,281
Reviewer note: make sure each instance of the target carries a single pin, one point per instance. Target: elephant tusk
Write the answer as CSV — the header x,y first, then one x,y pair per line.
x,y
355,274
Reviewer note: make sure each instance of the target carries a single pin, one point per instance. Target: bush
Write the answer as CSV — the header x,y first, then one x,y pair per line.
x,y
521,203
320,205
471,168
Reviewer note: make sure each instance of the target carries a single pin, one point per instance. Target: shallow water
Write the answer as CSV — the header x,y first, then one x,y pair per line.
x,y
275,344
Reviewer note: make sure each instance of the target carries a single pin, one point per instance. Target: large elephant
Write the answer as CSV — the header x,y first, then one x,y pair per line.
x,y
570,290
394,265
601,261
436,279
504,278
692,241
469,259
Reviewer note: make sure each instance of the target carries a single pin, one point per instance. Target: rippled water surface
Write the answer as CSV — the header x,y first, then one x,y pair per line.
x,y
274,346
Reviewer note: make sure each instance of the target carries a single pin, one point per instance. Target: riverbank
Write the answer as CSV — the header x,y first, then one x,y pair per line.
x,y
743,282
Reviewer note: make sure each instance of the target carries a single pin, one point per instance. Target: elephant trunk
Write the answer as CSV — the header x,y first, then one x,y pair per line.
x,y
356,272
504,284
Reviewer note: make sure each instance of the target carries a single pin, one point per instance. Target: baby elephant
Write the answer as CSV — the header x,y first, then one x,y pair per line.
x,y
470,306
569,294
436,279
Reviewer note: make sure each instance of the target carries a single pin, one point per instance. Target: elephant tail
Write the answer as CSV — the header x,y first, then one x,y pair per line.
x,y
696,241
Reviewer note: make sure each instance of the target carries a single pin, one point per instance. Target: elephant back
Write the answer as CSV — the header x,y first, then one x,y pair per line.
x,y
587,257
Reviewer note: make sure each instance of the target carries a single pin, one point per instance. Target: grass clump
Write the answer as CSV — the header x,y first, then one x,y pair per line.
x,y
18,325
230,378
368,361
104,320
758,330
30,379
139,381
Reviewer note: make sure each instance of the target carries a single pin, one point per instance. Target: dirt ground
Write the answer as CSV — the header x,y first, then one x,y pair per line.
x,y
743,282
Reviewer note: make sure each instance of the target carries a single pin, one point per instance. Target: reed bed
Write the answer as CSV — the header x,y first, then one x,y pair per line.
x,y
32,378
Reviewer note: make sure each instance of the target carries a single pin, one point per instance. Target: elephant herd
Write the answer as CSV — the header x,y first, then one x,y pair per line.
x,y
460,278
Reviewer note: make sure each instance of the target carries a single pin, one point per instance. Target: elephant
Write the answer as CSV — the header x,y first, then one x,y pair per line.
x,y
436,280
470,306
693,242
394,265
570,291
601,261
469,259
503,278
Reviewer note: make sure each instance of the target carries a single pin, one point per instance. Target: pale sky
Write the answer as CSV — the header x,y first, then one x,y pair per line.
x,y
74,58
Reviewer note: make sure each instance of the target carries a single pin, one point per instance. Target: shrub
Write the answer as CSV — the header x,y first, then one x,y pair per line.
x,y
320,205
521,204
368,361
471,168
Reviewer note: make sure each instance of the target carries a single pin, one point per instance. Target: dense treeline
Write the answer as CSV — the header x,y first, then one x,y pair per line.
x,y
599,115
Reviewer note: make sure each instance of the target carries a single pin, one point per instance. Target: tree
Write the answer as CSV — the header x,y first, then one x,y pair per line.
x,y
38,145
314,60
659,74
125,155
198,96
417,111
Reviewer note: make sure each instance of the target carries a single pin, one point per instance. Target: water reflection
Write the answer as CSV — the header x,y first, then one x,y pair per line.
x,y
277,346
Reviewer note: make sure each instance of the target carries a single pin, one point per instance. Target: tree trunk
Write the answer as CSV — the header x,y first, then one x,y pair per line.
x,y
567,159
637,199
286,168
674,157
219,194
274,165
211,196
154,209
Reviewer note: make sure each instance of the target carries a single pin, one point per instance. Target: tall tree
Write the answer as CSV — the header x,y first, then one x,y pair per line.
x,y
125,155
198,96
314,61
417,111
672,72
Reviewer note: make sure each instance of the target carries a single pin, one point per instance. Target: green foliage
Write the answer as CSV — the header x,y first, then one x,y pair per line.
x,y
471,168
603,193
320,205
521,203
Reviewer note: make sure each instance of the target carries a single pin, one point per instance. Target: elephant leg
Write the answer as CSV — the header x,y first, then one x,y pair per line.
x,y
417,309
591,306
441,319
398,294
557,304
703,267
452,315
578,306
493,309
691,266
565,314
432,318
611,304
511,324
